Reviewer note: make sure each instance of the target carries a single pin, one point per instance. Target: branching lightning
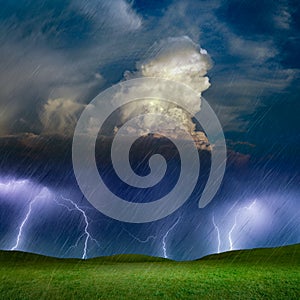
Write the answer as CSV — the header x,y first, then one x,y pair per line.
x,y
235,224
233,227
27,216
86,227
43,194
218,233
164,241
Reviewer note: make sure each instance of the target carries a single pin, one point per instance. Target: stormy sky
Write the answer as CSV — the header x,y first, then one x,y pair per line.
x,y
56,56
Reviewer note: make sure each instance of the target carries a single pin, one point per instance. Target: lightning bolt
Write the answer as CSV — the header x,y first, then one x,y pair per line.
x,y
235,223
164,241
230,234
218,233
86,227
42,194
27,216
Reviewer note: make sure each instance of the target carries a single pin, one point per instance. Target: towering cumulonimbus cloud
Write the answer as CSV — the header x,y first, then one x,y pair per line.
x,y
177,59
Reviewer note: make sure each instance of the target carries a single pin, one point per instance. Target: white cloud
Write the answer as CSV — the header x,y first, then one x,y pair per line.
x,y
177,59
282,16
31,75
35,71
256,51
110,15
60,116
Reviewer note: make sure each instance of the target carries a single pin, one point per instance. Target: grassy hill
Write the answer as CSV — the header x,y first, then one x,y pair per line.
x,y
272,273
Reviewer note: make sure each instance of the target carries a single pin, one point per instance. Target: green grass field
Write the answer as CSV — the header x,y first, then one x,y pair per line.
x,y
248,274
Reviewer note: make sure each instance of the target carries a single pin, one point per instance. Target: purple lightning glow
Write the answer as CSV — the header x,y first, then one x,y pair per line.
x,y
19,185
12,185
232,228
44,193
235,223
241,225
164,241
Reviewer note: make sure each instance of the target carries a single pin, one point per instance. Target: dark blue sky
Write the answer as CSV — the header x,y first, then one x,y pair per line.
x,y
56,56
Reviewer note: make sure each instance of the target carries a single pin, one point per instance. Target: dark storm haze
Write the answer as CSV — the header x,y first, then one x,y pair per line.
x,y
56,56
